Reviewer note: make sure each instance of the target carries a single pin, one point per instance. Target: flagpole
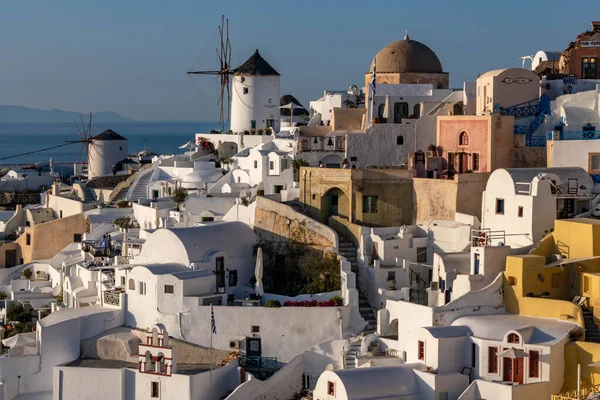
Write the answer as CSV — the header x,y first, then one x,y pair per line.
x,y
211,348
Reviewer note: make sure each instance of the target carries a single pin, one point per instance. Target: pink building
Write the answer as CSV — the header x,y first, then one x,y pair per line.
x,y
476,143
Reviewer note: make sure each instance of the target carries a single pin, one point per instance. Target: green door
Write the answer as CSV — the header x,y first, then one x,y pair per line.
x,y
333,204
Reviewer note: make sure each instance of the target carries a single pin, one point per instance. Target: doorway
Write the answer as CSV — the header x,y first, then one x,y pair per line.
x,y
400,111
253,347
463,163
508,374
220,272
10,258
476,265
572,186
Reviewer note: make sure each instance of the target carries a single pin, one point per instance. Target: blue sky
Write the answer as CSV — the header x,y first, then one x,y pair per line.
x,y
131,56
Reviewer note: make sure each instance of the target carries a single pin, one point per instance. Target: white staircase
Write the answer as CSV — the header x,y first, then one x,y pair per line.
x,y
351,355
139,188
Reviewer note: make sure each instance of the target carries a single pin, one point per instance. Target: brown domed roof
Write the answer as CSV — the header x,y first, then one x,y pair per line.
x,y
407,55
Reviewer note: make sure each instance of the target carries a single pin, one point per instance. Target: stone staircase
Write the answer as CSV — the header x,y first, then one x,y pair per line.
x,y
122,195
592,333
141,186
88,195
350,356
348,251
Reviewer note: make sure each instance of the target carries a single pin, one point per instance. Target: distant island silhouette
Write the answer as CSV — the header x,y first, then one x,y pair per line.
x,y
26,114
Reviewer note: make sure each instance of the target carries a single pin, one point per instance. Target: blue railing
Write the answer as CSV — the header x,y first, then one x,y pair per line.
x,y
269,363
535,141
526,109
575,135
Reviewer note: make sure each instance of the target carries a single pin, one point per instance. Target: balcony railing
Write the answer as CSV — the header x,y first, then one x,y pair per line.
x,y
325,144
574,135
250,363
572,394
112,297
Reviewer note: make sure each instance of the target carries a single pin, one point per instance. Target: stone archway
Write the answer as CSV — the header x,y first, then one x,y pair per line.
x,y
335,202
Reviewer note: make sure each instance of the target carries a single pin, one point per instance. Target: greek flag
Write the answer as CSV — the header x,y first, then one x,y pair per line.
x,y
213,325
373,85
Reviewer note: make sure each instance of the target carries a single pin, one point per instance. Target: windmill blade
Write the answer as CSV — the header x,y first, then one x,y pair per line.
x,y
203,72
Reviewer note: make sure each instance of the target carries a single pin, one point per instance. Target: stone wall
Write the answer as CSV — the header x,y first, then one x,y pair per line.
x,y
18,198
278,223
442,199
529,157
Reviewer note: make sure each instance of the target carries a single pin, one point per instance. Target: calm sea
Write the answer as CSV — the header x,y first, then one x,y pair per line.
x,y
161,137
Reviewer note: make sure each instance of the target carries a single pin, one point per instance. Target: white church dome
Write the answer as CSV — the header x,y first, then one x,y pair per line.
x,y
195,179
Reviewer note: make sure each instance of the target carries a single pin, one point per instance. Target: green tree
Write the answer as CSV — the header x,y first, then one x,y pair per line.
x,y
123,222
357,102
322,273
180,196
17,312
27,273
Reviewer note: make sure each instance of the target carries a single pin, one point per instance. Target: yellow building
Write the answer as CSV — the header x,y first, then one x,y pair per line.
x,y
44,241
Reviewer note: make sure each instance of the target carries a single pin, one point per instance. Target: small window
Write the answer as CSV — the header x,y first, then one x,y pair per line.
x,y
233,277
245,90
353,159
255,329
28,239
27,223
556,280
77,237
473,355
142,287
60,214
421,254
255,164
314,196
131,284
391,276
513,338
370,204
534,364
169,289
421,350
500,206
587,284
122,281
512,281
400,140
492,360
330,388
155,390
463,139
120,148
271,165
476,162
208,219
520,212
594,162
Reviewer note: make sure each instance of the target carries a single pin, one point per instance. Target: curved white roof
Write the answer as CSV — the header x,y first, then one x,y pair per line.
x,y
527,175
541,331
200,176
377,382
198,244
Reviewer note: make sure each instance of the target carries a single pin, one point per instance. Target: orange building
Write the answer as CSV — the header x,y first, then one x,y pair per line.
x,y
581,58
476,143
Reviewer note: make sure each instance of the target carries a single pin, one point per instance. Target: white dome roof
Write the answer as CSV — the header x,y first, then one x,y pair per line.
x,y
197,178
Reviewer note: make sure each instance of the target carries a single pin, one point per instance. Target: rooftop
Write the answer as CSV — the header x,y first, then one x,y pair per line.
x,y
182,369
256,65
541,331
108,134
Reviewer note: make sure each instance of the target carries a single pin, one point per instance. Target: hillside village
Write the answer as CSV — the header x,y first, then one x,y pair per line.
x,y
397,240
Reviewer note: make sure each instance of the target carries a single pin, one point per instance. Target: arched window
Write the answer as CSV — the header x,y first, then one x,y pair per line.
x,y
513,338
131,284
463,139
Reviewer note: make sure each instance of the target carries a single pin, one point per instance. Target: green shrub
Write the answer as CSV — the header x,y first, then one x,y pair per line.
x,y
337,299
273,304
27,273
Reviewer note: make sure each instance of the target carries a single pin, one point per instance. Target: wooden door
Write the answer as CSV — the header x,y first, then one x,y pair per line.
x,y
507,369
509,364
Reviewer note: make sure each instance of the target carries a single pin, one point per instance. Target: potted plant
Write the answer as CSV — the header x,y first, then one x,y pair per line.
x,y
432,150
27,273
269,131
260,131
252,131
375,120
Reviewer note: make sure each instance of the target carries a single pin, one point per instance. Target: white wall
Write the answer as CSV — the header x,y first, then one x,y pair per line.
x,y
259,104
76,383
104,154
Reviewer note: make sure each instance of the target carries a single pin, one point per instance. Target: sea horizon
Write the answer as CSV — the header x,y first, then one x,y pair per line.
x,y
158,136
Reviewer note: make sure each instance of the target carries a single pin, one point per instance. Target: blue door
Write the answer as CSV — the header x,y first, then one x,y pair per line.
x,y
476,266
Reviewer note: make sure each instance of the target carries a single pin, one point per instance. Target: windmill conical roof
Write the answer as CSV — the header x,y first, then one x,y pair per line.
x,y
256,65
108,134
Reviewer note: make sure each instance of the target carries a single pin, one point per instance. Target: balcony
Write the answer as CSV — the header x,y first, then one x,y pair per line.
x,y
586,393
574,135
112,297
331,144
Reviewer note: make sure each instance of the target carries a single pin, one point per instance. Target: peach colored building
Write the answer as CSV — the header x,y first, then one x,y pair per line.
x,y
581,57
476,143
